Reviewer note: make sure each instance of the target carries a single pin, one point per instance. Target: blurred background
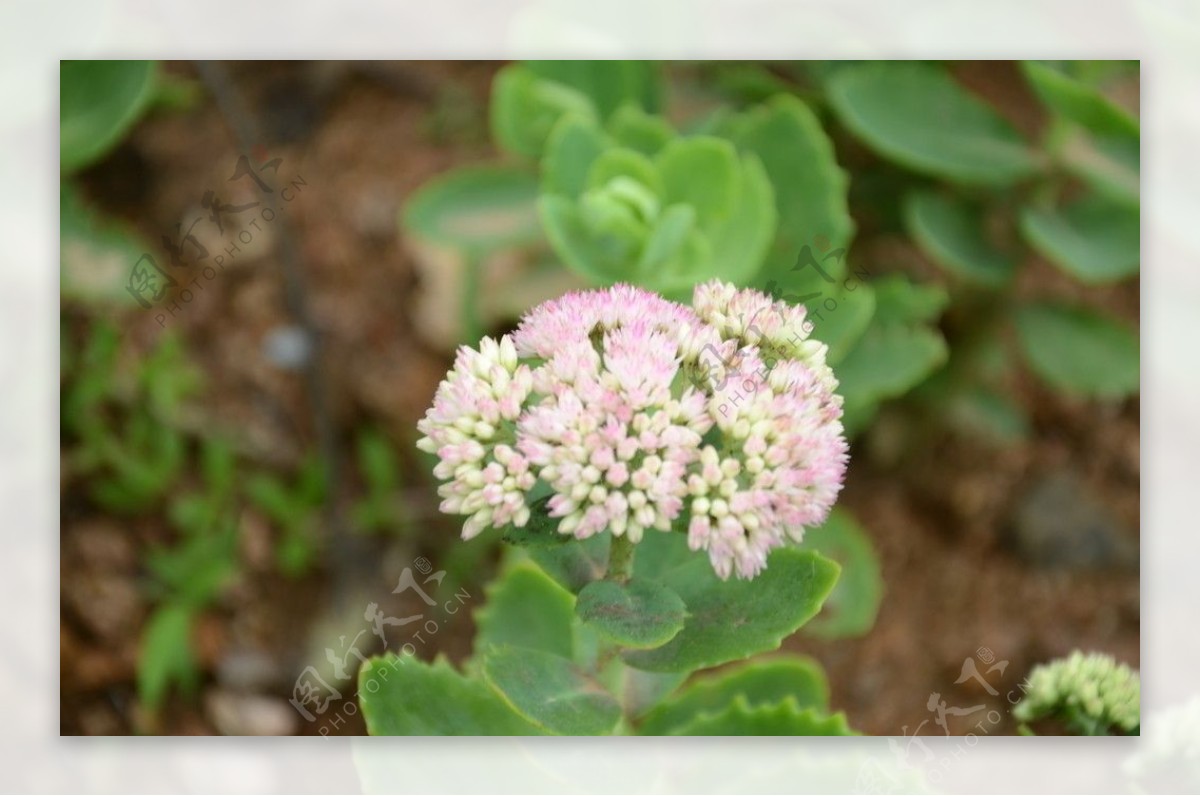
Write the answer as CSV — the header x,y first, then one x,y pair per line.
x,y
265,270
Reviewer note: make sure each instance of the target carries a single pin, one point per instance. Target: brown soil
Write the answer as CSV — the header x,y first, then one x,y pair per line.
x,y
937,505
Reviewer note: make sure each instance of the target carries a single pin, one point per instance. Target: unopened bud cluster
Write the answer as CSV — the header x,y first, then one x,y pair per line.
x,y
1091,692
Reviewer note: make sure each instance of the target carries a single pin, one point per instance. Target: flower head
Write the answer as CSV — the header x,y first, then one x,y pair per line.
x,y
1092,693
642,415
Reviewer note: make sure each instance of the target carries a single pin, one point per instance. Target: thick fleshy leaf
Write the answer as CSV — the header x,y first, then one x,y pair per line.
x,y
576,563
640,131
619,162
694,211
917,115
950,231
783,718
551,691
1111,164
729,620
608,84
572,240
810,189
99,101
1077,101
639,613
898,299
854,602
477,208
701,172
401,695
571,150
639,691
1079,351
1092,239
526,608
669,238
840,317
740,242
526,107
759,683
661,552
888,361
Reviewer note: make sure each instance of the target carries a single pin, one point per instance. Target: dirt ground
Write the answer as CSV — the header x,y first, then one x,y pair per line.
x,y
941,507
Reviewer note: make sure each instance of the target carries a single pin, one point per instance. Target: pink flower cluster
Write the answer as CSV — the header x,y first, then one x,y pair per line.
x,y
638,414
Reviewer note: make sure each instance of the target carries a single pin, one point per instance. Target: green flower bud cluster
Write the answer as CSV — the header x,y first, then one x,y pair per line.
x,y
1091,693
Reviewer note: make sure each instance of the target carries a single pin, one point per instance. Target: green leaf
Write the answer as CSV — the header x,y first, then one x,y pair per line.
x,y
575,564
900,300
854,602
165,655
1079,351
268,494
526,609
741,241
199,567
607,84
571,150
888,361
701,172
525,109
635,129
1079,102
809,188
639,691
401,695
1111,165
695,212
551,691
988,413
660,552
840,318
950,231
728,620
918,116
747,82
759,683
784,718
99,101
476,208
573,241
640,613
1092,239
668,239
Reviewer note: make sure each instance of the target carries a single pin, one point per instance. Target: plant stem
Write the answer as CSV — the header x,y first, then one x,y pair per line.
x,y
472,277
620,559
